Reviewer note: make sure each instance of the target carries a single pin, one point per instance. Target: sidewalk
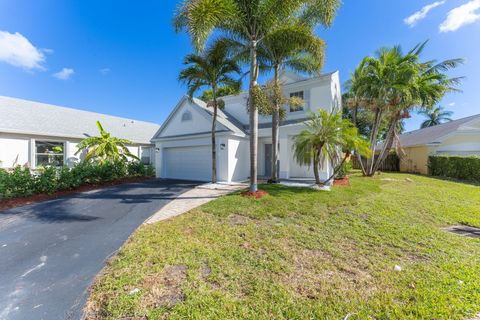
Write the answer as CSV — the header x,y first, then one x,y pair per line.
x,y
192,199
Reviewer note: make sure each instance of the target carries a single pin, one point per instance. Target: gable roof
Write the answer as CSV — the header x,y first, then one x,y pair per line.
x,y
229,122
35,118
433,134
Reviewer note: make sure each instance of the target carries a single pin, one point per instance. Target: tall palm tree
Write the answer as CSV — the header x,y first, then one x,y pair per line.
x,y
327,134
435,117
391,85
212,69
104,147
249,21
293,47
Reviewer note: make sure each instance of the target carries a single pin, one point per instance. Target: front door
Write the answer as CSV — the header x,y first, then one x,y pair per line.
x,y
268,160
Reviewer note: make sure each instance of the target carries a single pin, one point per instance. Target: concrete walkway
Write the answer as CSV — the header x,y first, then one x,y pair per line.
x,y
194,198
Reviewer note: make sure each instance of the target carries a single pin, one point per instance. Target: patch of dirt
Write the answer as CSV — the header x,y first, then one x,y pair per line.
x,y
238,220
164,289
23,201
205,271
256,195
315,273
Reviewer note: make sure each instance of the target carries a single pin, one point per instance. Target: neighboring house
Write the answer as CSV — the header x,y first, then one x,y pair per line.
x,y
183,143
34,134
458,137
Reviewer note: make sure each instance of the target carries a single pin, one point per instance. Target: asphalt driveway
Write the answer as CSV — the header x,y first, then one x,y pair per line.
x,y
50,252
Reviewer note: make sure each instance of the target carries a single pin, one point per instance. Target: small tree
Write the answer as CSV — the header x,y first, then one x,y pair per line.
x,y
105,147
212,69
326,136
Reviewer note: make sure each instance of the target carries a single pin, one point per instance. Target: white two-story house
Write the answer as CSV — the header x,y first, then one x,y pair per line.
x,y
183,143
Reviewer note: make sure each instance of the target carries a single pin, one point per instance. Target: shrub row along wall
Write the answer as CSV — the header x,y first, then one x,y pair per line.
x,y
465,168
21,182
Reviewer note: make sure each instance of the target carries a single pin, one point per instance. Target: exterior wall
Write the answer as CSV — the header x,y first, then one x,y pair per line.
x,y
415,160
319,93
18,149
14,150
238,159
197,124
461,143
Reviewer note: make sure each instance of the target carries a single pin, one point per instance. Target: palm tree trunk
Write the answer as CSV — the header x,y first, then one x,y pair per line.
x,y
358,155
253,116
316,164
386,146
275,131
337,169
373,140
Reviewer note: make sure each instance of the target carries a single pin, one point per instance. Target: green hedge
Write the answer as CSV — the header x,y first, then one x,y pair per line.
x,y
21,182
464,168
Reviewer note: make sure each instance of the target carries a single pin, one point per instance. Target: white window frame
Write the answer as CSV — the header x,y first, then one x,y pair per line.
x,y
305,104
35,154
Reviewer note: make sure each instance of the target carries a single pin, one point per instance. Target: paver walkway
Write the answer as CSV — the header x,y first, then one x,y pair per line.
x,y
194,198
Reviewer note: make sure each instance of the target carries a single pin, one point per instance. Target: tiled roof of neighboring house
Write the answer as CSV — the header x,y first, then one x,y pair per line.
x,y
35,118
432,134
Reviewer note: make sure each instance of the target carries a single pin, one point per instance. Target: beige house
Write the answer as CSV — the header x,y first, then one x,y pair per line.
x,y
458,137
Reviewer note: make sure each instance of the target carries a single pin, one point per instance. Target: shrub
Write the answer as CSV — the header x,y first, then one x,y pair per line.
x,y
464,168
21,182
46,181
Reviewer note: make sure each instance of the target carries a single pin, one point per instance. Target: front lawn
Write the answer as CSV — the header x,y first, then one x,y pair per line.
x,y
303,254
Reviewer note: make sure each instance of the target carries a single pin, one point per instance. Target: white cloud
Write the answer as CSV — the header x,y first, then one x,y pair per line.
x,y
104,71
64,74
18,51
422,13
461,16
451,104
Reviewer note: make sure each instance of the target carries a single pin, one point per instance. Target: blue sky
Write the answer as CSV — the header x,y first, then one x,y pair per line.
x,y
123,59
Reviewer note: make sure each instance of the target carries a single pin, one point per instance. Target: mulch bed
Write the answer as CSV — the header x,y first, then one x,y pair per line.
x,y
341,182
257,195
18,202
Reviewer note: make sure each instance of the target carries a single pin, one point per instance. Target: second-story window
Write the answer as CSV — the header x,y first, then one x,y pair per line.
x,y
298,94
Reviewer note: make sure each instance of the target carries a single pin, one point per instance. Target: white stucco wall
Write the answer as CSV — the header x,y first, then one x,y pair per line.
x,y
238,159
14,150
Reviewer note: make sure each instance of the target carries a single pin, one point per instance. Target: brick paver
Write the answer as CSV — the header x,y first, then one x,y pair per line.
x,y
192,199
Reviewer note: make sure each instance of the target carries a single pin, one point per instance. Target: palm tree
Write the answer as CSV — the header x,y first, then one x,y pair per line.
x,y
293,47
250,22
391,85
435,116
327,134
105,147
212,69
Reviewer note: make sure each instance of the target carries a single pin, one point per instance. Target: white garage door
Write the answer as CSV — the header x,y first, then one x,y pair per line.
x,y
188,163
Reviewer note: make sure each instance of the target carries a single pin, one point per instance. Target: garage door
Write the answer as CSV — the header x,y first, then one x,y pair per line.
x,y
188,163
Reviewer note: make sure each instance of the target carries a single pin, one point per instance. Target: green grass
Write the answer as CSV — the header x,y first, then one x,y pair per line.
x,y
302,254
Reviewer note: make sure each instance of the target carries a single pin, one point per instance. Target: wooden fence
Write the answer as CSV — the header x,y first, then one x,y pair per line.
x,y
391,163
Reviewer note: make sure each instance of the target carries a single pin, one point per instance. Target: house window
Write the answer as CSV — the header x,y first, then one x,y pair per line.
x,y
298,94
49,153
186,116
145,155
